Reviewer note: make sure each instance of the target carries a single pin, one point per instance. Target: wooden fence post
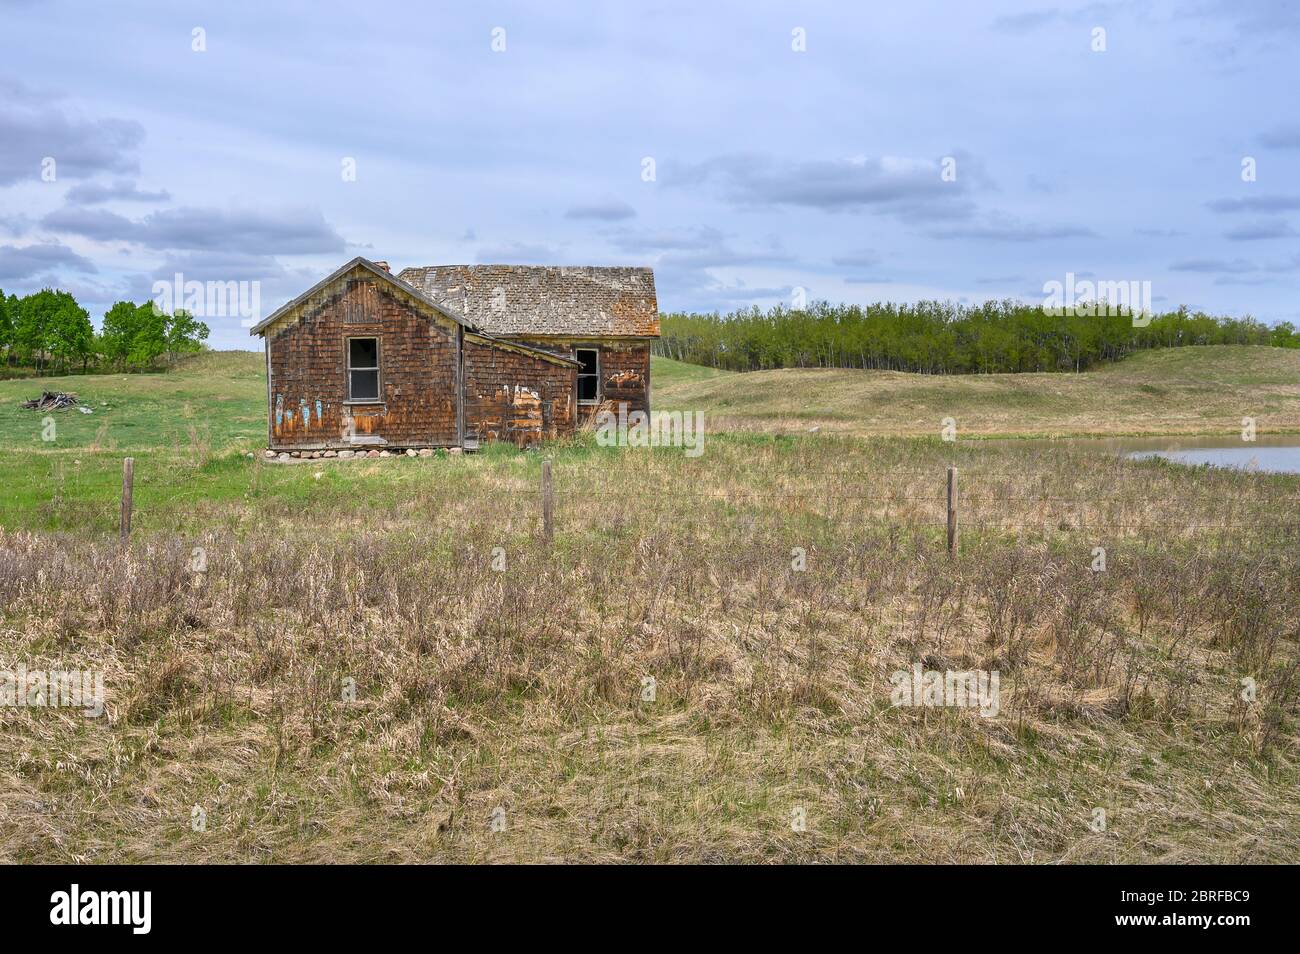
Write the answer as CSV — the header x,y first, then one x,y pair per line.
x,y
952,511
128,482
548,503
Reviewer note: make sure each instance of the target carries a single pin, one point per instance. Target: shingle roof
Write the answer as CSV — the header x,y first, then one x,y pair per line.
x,y
415,295
545,300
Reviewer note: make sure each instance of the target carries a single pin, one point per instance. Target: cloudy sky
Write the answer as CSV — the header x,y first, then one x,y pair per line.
x,y
862,152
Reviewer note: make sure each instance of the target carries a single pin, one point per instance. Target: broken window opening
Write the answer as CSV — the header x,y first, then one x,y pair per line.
x,y
363,369
588,375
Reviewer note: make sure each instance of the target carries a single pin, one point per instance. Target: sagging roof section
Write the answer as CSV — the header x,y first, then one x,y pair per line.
x,y
322,290
562,301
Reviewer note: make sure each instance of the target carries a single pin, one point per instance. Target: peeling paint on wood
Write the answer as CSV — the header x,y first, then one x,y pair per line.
x,y
309,373
624,368
509,396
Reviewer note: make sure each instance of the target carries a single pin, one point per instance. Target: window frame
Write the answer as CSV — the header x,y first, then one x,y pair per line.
x,y
587,402
378,369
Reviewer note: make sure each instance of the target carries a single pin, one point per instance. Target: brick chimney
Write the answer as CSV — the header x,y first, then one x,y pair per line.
x,y
383,265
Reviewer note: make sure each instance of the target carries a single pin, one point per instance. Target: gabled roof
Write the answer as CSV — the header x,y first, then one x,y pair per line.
x,y
418,299
543,300
376,272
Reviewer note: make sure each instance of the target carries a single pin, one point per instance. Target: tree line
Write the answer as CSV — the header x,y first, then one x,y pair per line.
x,y
49,331
936,337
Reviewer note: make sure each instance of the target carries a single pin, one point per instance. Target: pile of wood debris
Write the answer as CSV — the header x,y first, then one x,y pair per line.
x,y
51,401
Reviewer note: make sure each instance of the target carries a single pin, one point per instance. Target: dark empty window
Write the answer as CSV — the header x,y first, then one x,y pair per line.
x,y
363,369
589,374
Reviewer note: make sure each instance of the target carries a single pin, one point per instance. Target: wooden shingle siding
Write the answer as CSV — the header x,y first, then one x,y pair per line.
x,y
625,374
445,379
624,369
308,367
510,396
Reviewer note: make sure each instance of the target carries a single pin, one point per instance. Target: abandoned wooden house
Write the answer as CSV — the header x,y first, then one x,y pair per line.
x,y
450,355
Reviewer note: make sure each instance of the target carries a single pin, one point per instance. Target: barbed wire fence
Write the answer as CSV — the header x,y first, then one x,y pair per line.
x,y
950,501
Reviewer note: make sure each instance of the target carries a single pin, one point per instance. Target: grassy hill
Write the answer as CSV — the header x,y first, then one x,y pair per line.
x,y
221,394
522,687
218,399
1174,391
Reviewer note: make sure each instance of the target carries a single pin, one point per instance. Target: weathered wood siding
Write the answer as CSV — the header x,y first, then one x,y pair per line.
x,y
512,396
417,377
624,369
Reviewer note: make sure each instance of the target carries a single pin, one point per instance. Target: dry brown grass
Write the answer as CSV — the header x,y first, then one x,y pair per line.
x,y
522,689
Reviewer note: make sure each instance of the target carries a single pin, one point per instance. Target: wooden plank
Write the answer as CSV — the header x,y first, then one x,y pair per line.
x,y
952,512
128,491
548,503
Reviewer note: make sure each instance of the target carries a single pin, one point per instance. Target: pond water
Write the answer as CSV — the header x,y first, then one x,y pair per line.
x,y
1278,454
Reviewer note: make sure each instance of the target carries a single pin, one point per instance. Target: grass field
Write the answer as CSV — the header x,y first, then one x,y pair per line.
x,y
1175,391
524,688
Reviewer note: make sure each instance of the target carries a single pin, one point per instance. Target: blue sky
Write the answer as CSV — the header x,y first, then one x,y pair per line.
x,y
774,168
